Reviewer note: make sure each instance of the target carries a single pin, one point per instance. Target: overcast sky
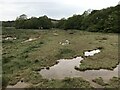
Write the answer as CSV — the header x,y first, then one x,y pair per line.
x,y
10,9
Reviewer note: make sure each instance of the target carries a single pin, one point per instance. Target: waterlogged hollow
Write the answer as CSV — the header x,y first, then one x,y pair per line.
x,y
65,68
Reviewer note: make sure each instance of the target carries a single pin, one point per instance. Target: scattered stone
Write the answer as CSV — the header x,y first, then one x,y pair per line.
x,y
65,43
55,34
10,38
30,39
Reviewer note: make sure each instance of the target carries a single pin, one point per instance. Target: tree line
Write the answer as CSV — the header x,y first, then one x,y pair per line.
x,y
22,22
33,23
105,20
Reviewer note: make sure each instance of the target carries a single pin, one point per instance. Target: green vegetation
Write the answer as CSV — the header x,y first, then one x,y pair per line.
x,y
35,49
112,83
33,23
4,81
105,20
65,83
97,21
66,53
23,60
75,83
99,81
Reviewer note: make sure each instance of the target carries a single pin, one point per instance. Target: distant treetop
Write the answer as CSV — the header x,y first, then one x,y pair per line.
x,y
23,16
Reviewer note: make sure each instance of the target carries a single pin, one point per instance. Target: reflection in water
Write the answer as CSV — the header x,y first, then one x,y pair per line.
x,y
91,53
65,68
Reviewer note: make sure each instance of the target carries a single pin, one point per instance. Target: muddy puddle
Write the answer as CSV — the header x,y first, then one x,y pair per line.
x,y
65,68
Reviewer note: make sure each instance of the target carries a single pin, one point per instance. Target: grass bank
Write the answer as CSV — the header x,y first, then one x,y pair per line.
x,y
22,60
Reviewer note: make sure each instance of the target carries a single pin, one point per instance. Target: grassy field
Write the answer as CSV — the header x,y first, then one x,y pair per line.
x,y
113,82
22,59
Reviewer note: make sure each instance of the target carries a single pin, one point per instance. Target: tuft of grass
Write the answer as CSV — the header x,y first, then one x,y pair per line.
x,y
75,83
7,59
65,53
100,47
77,68
13,81
7,41
65,83
113,83
99,81
36,61
104,38
5,81
101,38
33,47
36,54
41,42
36,69
47,68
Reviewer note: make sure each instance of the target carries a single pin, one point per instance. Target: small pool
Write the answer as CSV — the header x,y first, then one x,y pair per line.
x,y
65,68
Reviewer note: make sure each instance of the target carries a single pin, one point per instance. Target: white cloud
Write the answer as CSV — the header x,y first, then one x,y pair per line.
x,y
10,9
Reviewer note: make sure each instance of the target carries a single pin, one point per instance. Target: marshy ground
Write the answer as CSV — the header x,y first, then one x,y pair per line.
x,y
42,48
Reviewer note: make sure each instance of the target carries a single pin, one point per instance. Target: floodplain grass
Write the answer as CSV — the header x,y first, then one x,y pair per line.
x,y
23,60
99,81
112,83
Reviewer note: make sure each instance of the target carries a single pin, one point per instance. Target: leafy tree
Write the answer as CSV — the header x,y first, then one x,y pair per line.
x,y
105,20
73,22
33,23
8,23
20,21
61,23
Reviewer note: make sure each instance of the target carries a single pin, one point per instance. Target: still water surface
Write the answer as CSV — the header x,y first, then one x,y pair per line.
x,y
65,68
